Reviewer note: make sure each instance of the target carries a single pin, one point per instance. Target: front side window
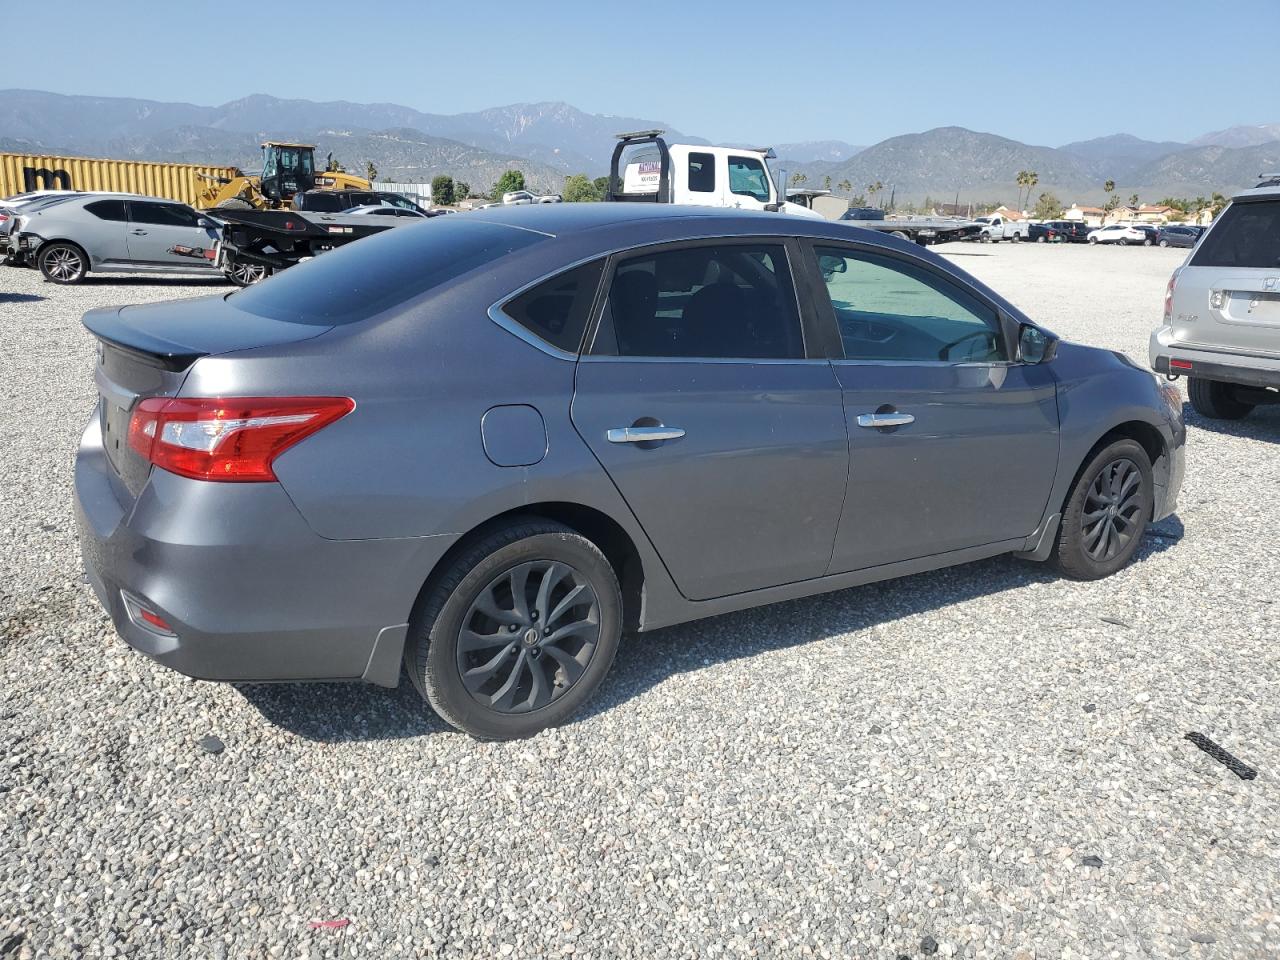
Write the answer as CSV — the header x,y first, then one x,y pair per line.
x,y
732,301
747,177
162,214
702,172
556,310
888,309
1246,235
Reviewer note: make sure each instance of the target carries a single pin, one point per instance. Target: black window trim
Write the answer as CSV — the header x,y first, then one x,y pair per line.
x,y
821,299
792,260
714,172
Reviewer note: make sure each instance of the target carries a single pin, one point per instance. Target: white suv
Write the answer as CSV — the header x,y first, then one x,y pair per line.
x,y
1120,233
1222,311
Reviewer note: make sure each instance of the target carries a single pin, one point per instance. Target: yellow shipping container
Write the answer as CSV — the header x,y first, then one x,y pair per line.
x,y
20,172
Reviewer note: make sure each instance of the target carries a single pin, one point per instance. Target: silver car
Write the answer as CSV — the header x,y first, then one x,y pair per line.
x,y
1221,325
485,446
117,233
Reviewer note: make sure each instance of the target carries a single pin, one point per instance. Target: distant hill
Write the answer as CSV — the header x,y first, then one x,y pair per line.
x,y
1120,154
1240,136
813,151
551,139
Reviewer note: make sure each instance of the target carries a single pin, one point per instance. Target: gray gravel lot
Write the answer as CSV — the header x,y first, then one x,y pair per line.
x,y
921,765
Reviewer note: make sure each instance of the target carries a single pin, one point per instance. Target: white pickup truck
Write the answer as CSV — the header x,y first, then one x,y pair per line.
x,y
996,228
517,197
647,168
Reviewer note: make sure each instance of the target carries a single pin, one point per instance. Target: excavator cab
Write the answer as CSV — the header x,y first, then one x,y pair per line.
x,y
287,168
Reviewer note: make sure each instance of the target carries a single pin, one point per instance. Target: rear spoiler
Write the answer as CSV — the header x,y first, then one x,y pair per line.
x,y
106,324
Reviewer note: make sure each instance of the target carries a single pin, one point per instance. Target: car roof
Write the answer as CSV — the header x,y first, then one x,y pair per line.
x,y
1257,193
556,218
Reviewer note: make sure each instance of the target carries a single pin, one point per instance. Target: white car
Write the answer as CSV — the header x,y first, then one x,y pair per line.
x,y
524,196
385,210
1120,233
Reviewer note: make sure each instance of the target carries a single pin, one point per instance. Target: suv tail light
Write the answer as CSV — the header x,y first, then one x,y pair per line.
x,y
1168,297
231,439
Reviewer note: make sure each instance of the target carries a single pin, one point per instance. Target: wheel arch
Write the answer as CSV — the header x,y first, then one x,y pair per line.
x,y
50,241
1147,436
594,524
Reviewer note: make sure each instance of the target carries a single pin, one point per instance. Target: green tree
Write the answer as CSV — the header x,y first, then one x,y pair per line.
x,y
442,190
509,181
461,190
844,186
858,200
1133,199
798,178
1216,203
602,186
1048,207
873,189
370,171
579,189
333,166
826,182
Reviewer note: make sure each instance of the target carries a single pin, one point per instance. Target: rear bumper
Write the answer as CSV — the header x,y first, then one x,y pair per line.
x,y
249,590
1252,371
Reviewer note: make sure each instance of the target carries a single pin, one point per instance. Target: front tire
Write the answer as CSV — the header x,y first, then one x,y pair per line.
x,y
1164,243
1093,240
1106,513
246,274
1216,400
518,632
63,263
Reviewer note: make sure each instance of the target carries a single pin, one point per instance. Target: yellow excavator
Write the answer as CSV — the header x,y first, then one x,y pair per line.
x,y
287,168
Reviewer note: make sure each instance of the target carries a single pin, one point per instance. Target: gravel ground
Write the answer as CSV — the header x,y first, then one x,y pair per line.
x,y
981,762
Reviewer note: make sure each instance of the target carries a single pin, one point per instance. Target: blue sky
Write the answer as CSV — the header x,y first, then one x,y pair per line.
x,y
1044,73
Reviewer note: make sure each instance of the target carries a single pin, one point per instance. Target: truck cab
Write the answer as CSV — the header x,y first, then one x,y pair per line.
x,y
646,168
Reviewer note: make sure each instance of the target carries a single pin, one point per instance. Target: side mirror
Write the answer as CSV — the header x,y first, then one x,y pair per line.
x,y
1035,345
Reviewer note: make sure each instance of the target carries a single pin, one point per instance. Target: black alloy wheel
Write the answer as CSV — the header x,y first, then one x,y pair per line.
x,y
1112,514
529,636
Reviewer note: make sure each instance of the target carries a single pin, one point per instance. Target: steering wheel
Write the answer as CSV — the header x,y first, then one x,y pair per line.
x,y
943,353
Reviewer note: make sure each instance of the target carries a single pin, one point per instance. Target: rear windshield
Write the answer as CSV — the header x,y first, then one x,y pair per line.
x,y
1247,235
368,276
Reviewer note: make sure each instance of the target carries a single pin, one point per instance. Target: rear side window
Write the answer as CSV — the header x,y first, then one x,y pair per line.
x,y
556,310
364,278
322,202
702,172
107,209
733,301
1247,235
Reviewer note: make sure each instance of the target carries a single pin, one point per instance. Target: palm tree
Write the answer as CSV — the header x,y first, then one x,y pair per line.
x,y
1109,187
1032,179
799,178
873,189
826,181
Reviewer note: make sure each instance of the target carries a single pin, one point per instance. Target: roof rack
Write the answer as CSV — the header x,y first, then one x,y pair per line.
x,y
639,134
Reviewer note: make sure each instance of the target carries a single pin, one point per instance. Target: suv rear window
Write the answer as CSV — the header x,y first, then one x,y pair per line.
x,y
366,277
1247,235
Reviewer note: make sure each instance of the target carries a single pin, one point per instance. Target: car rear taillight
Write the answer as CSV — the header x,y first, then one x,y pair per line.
x,y
1168,297
230,439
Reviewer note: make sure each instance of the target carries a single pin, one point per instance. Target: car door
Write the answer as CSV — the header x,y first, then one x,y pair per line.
x,y
951,445
746,182
158,227
107,242
724,435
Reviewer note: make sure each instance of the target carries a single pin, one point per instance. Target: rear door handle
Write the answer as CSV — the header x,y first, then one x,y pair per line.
x,y
643,434
885,419
139,233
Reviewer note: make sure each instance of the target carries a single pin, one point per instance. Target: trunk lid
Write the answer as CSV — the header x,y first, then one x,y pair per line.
x,y
148,350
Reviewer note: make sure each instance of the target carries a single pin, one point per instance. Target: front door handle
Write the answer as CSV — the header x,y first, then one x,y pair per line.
x,y
877,420
643,434
139,233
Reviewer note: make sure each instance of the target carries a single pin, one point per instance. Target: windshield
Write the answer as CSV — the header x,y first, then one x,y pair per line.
x,y
371,275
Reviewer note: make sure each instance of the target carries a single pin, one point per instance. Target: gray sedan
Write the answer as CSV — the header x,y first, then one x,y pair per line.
x,y
486,446
119,233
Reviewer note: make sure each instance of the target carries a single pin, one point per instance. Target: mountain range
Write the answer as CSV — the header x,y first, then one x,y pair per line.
x,y
550,140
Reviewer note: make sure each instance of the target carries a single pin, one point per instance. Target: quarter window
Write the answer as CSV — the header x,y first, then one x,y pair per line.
x,y
556,311
702,172
747,177
107,209
888,309
732,302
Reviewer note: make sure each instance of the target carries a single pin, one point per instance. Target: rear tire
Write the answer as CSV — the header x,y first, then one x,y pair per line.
x,y
1216,400
1164,243
522,680
1016,238
63,263
1105,514
246,274
1093,240
234,203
